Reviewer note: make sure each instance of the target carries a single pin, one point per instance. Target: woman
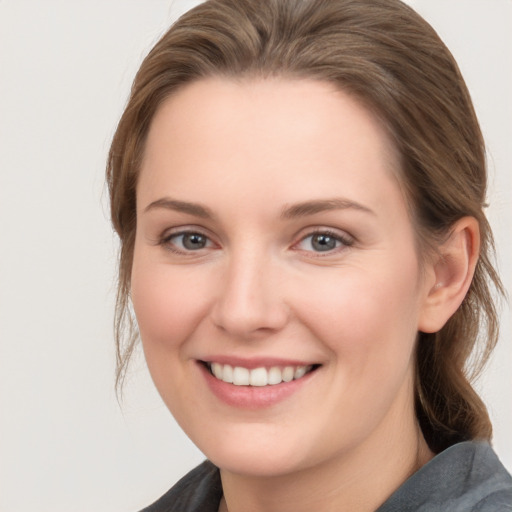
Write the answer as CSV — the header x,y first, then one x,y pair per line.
x,y
298,186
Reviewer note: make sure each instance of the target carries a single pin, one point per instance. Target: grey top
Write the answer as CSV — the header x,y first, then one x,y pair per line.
x,y
467,477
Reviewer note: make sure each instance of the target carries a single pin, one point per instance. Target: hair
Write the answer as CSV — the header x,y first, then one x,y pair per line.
x,y
390,59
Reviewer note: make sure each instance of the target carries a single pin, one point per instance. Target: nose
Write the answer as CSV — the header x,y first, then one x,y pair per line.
x,y
250,303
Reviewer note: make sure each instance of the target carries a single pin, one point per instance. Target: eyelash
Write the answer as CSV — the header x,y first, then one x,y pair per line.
x,y
165,240
345,241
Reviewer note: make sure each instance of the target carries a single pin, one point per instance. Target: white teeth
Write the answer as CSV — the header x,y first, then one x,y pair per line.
x,y
240,376
227,374
259,377
300,372
288,373
217,370
275,376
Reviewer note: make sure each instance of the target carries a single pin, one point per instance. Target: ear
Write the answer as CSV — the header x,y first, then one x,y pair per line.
x,y
453,269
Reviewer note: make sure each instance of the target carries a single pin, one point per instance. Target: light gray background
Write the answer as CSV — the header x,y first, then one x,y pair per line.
x,y
65,71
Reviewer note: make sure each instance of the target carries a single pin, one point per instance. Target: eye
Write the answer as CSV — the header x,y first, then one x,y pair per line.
x,y
187,241
323,241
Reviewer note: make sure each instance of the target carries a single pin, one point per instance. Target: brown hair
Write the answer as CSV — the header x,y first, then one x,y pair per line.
x,y
386,55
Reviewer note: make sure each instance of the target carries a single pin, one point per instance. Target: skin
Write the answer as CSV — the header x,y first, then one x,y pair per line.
x,y
246,151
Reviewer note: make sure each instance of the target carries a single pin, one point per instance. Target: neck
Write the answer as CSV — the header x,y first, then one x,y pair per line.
x,y
360,479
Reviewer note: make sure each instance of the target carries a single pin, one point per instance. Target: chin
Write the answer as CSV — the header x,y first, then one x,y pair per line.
x,y
256,463
257,453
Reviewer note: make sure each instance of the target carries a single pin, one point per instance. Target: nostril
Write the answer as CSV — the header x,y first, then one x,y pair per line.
x,y
246,322
249,303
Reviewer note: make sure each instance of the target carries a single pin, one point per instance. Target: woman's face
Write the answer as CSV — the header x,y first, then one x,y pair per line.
x,y
273,243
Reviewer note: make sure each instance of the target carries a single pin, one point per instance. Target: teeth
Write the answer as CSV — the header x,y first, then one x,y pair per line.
x,y
217,370
288,373
275,376
299,372
240,376
227,373
259,377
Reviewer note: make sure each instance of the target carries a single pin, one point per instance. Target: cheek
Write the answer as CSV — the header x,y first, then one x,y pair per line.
x,y
168,305
365,312
368,322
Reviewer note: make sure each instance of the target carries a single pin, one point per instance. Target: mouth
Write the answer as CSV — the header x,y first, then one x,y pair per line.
x,y
258,377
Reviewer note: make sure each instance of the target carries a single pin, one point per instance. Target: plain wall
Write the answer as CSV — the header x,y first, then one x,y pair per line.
x,y
65,73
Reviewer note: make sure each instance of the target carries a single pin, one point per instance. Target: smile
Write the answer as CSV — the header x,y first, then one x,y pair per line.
x,y
258,377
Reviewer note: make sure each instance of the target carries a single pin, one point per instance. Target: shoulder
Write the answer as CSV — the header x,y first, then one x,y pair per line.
x,y
199,490
465,477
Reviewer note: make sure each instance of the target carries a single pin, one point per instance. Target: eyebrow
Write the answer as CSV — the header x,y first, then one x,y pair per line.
x,y
321,205
166,203
302,209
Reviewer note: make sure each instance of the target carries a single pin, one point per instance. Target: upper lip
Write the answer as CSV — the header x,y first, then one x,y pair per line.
x,y
256,362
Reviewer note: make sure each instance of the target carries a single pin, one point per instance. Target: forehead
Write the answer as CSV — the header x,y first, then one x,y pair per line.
x,y
265,133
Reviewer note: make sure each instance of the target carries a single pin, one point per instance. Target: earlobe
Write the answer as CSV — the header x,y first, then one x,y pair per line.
x,y
453,269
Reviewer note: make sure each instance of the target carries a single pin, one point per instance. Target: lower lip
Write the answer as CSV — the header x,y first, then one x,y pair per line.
x,y
252,397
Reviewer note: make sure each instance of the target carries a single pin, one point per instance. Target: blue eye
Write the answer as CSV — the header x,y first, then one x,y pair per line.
x,y
323,241
188,241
